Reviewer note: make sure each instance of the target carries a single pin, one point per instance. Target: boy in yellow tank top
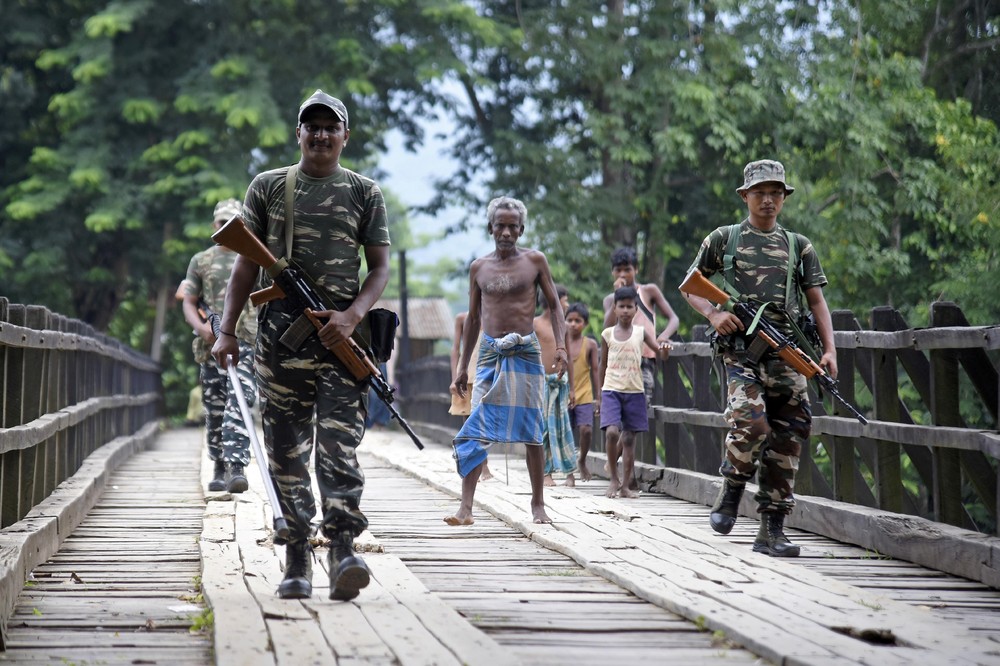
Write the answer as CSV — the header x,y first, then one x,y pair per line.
x,y
585,361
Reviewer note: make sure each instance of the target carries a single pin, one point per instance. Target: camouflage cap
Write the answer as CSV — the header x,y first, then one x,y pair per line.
x,y
224,210
764,171
320,98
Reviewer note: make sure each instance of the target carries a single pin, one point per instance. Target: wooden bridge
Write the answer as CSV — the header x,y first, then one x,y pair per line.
x,y
114,554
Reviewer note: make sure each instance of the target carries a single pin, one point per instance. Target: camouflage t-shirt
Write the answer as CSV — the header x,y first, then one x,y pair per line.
x,y
335,217
761,265
207,276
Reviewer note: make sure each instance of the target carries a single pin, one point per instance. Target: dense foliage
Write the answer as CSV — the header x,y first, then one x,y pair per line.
x,y
618,122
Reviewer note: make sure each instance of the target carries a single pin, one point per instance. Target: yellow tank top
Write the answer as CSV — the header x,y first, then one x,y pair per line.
x,y
583,391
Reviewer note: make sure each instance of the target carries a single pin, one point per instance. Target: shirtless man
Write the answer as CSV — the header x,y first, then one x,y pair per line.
x,y
502,287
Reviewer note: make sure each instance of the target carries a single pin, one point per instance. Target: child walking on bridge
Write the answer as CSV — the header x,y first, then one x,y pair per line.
x,y
623,398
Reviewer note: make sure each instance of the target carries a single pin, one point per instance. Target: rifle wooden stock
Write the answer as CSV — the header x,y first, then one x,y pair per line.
x,y
352,356
235,235
697,284
794,357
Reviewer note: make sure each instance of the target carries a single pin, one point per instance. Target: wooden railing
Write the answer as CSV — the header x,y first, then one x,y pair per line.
x,y
940,469
66,391
917,456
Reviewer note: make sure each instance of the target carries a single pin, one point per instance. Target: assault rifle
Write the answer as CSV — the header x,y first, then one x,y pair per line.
x,y
289,282
280,524
697,284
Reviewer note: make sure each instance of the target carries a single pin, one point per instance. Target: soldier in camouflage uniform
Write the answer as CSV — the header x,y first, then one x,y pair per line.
x,y
228,440
768,408
336,214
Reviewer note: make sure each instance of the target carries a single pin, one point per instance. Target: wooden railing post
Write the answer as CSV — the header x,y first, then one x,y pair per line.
x,y
842,459
10,476
885,393
945,412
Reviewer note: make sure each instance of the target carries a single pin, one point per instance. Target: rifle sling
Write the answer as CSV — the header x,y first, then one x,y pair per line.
x,y
302,327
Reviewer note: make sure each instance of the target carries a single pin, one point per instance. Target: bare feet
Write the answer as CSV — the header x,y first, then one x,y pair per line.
x,y
547,480
584,472
487,474
613,488
456,520
628,493
539,515
570,480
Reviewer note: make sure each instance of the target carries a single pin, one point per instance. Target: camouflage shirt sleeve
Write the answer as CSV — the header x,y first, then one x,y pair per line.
x,y
709,257
812,271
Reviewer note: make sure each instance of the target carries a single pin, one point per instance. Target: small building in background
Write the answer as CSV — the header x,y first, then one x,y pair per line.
x,y
430,320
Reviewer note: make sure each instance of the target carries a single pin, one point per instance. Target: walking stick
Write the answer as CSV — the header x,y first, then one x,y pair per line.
x,y
280,524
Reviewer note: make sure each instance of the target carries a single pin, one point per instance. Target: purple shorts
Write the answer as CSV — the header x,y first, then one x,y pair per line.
x,y
624,410
582,415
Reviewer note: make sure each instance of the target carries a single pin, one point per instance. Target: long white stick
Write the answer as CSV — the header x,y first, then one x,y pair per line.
x,y
280,524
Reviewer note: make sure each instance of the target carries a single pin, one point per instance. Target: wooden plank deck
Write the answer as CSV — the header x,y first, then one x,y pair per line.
x,y
836,604
123,588
642,580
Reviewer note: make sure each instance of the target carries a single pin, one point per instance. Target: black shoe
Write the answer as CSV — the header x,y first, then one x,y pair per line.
x,y
348,573
297,583
771,539
236,480
726,507
218,481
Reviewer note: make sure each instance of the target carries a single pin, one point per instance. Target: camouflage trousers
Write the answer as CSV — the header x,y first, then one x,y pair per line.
x,y
227,434
769,422
309,400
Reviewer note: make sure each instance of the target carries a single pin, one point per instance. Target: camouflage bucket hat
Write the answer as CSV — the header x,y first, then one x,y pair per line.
x,y
320,98
764,171
224,210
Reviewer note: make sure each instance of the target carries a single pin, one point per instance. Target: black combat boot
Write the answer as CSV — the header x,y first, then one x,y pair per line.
x,y
726,507
298,571
218,481
771,539
348,572
236,480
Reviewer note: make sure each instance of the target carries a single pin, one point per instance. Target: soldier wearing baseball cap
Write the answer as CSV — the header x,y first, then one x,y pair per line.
x,y
768,405
323,217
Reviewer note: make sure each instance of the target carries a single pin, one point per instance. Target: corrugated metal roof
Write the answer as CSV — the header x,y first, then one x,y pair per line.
x,y
429,318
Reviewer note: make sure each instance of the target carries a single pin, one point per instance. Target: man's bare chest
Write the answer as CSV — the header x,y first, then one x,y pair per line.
x,y
504,283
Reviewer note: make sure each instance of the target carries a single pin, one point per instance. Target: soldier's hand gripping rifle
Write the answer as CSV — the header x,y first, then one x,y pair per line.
x,y
697,284
290,283
280,524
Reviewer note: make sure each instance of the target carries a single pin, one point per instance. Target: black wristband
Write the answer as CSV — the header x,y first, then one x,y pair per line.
x,y
232,335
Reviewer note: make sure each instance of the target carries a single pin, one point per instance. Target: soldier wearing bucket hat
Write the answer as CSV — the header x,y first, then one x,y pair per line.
x,y
768,407
309,398
228,439
764,171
